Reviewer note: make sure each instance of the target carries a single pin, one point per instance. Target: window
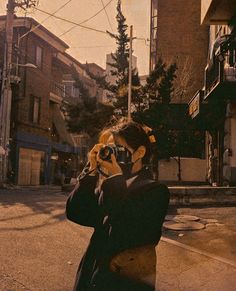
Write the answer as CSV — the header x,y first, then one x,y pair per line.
x,y
35,110
232,57
39,57
154,23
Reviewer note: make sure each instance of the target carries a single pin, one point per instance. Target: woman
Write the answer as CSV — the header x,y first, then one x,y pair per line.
x,y
127,210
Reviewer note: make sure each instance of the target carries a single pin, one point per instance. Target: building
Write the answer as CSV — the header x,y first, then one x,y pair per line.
x,y
97,71
177,36
42,151
217,107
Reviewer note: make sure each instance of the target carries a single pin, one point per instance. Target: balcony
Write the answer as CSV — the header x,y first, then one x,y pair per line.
x,y
215,12
220,80
57,92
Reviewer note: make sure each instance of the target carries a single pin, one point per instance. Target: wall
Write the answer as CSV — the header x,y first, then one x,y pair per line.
x,y
181,38
192,170
37,83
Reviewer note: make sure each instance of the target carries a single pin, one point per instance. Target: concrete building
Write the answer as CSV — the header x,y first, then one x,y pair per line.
x,y
42,151
218,106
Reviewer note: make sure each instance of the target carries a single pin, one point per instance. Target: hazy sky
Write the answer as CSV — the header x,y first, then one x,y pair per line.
x,y
90,46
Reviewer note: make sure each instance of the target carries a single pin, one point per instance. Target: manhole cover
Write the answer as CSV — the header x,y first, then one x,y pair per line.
x,y
182,218
188,225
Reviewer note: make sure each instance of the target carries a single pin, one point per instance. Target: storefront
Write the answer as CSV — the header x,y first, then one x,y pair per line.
x,y
32,159
37,161
31,167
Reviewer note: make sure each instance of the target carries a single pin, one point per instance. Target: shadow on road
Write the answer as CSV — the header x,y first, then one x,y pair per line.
x,y
25,210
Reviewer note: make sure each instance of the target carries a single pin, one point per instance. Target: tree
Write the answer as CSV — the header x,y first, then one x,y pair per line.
x,y
118,92
87,116
121,56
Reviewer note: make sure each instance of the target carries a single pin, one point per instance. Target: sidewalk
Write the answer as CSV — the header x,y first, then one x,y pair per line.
x,y
182,268
202,195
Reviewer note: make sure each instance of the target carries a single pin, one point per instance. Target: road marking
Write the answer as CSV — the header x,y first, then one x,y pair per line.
x,y
195,250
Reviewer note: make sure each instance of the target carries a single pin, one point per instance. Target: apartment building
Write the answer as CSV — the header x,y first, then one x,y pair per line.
x,y
42,151
217,107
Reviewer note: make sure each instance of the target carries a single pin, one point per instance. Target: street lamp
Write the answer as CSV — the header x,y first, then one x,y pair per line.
x,y
28,65
16,78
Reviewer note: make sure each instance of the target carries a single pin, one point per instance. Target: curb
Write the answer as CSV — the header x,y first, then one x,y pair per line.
x,y
218,196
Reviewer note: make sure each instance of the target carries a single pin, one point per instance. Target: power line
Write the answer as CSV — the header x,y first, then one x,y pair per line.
x,y
53,14
72,22
86,20
96,46
108,19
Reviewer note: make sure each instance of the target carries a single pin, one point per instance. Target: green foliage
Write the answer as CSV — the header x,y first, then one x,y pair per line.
x,y
88,115
121,56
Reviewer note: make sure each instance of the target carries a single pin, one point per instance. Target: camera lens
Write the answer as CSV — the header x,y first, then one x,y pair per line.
x,y
105,153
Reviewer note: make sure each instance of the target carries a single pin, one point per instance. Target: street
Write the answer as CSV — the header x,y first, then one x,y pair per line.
x,y
40,249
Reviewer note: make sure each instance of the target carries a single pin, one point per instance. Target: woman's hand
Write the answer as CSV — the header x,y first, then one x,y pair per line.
x,y
92,156
111,167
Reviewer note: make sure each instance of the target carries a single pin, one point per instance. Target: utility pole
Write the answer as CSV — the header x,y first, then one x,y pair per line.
x,y
5,109
6,92
130,72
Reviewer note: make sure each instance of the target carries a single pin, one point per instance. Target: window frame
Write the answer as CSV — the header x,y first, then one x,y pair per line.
x,y
37,63
35,118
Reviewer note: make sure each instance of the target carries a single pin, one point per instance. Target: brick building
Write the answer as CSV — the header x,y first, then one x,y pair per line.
x,y
42,149
177,36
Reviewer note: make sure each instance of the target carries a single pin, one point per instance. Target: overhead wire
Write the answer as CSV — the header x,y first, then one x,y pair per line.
x,y
86,20
108,19
95,46
72,22
39,24
76,23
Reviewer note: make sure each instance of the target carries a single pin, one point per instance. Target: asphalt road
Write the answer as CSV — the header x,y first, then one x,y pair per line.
x,y
40,249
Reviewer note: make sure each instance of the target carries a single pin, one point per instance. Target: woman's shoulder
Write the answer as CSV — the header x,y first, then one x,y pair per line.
x,y
146,185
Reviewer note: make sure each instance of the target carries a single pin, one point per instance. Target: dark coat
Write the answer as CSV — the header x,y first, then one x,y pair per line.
x,y
123,217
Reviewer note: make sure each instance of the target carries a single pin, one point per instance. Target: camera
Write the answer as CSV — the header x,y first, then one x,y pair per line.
x,y
121,154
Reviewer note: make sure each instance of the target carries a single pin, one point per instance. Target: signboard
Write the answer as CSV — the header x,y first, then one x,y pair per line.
x,y
194,105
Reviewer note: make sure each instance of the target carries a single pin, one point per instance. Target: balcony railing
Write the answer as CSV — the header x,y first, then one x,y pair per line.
x,y
219,74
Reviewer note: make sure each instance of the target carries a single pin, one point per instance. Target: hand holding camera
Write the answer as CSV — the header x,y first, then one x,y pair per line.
x,y
104,157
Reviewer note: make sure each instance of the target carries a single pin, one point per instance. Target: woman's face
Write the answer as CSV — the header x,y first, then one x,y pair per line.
x,y
137,155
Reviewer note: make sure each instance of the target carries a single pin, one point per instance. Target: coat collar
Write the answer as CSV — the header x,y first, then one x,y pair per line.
x,y
135,181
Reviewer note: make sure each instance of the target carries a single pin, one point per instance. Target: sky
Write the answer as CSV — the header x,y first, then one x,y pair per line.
x,y
86,45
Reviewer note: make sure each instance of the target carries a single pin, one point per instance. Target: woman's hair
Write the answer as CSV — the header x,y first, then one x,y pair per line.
x,y
135,136
104,136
